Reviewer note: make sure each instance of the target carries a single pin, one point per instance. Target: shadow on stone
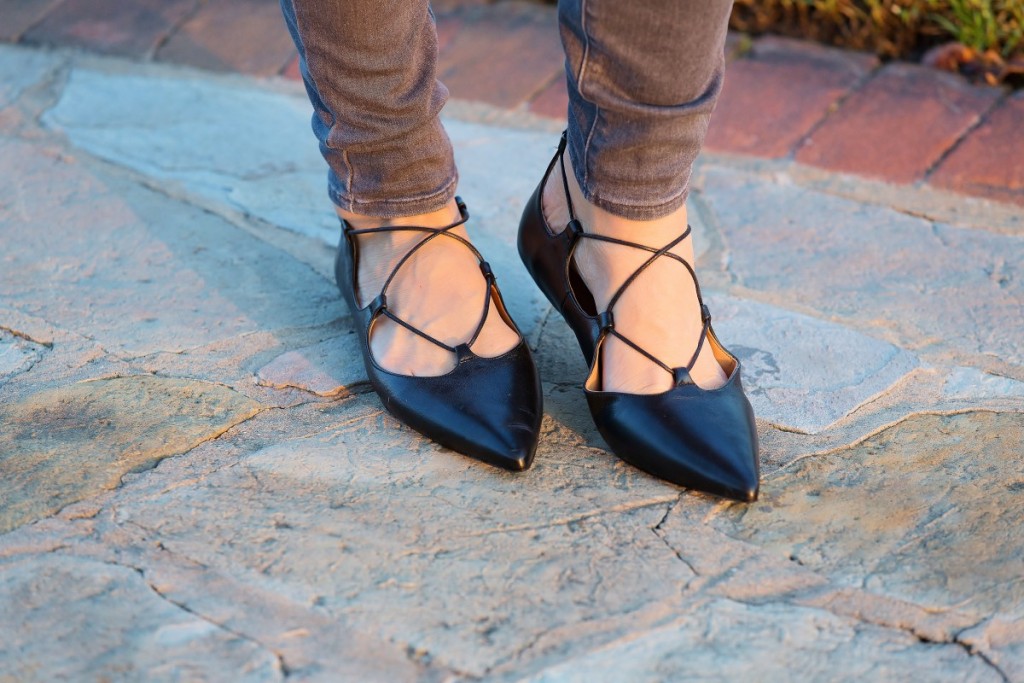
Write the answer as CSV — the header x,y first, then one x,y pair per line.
x,y
62,445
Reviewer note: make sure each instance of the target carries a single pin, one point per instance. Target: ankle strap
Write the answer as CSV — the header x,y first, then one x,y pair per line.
x,y
562,143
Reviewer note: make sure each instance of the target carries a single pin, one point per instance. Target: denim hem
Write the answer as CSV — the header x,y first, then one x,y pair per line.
x,y
394,207
636,212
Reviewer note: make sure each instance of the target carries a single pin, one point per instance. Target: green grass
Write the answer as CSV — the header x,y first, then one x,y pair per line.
x,y
891,28
985,25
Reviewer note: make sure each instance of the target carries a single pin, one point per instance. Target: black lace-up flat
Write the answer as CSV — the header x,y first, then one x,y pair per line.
x,y
487,408
698,438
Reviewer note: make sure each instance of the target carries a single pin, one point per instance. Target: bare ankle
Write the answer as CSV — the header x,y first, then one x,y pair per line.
x,y
656,232
438,290
446,215
654,309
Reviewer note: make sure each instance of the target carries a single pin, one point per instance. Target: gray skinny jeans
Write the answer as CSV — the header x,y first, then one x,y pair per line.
x,y
643,78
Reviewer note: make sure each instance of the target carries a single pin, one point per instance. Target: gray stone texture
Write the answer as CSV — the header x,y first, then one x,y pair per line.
x,y
970,383
247,148
196,482
75,619
160,275
942,291
17,355
769,642
941,529
797,369
330,368
61,445
20,70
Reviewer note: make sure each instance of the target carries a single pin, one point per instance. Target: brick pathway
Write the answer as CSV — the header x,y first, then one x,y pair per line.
x,y
833,109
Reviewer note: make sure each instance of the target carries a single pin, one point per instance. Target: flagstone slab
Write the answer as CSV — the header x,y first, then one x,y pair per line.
x,y
246,147
329,368
1002,641
59,446
748,573
802,373
17,355
136,271
923,285
728,641
21,69
76,619
406,541
310,644
927,511
973,384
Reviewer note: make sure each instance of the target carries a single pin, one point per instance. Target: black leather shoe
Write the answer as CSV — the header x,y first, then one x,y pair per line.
x,y
699,438
487,408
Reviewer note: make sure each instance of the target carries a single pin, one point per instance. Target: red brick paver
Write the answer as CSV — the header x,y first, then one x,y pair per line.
x,y
506,53
232,35
448,26
446,6
16,16
291,69
553,100
990,162
117,27
899,124
776,95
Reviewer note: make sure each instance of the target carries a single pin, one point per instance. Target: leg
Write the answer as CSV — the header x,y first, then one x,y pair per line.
x,y
643,80
369,69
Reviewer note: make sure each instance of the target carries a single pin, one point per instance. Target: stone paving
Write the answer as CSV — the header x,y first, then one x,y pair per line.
x,y
196,482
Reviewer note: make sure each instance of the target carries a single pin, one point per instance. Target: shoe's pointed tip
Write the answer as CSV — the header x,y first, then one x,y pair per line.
x,y
513,462
742,489
521,463
515,454
740,495
748,491
522,456
746,485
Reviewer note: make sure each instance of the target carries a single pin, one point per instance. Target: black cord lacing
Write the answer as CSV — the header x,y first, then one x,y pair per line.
x,y
606,318
379,304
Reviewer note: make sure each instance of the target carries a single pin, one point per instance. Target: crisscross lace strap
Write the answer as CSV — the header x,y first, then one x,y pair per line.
x,y
664,252
379,304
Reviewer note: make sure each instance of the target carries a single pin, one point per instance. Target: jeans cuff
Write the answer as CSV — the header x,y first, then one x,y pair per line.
x,y
391,207
636,212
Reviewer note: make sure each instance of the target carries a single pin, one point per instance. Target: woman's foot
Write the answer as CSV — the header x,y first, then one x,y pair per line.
x,y
439,290
659,311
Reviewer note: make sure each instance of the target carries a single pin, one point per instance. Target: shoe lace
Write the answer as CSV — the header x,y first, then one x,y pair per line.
x,y
606,320
379,305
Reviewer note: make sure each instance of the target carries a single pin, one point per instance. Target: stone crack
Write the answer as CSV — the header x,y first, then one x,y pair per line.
x,y
908,629
881,428
562,521
282,667
25,336
974,652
